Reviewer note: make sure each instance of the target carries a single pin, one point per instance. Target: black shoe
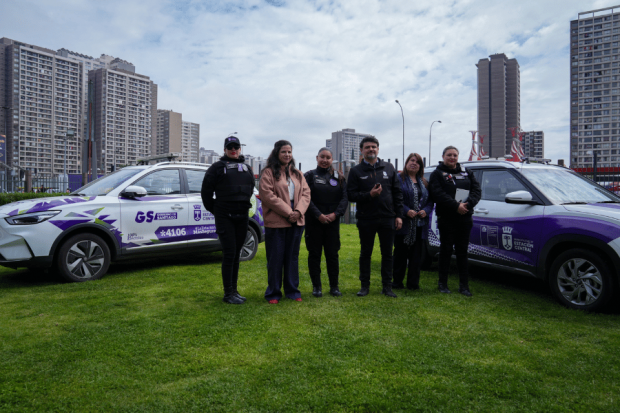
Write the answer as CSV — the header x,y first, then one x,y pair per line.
x,y
335,292
465,291
316,291
239,296
232,299
388,291
363,292
444,288
398,287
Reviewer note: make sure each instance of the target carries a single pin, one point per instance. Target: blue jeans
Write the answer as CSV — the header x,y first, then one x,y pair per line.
x,y
282,248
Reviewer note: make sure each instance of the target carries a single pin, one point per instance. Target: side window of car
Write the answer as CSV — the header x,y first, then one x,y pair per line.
x,y
194,180
496,184
162,182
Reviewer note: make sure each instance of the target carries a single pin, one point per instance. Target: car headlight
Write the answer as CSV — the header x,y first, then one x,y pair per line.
x,y
29,219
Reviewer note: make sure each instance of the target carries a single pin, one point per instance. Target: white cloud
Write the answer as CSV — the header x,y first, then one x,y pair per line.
x,y
300,70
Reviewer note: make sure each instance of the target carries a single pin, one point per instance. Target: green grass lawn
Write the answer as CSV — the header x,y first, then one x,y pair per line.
x,y
156,336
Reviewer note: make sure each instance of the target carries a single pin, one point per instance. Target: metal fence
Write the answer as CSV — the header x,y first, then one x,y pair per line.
x,y
605,178
17,183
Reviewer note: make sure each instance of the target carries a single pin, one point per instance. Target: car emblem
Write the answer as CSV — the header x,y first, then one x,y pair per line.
x,y
197,214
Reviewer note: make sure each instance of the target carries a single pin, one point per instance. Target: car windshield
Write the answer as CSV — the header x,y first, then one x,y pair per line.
x,y
106,183
562,186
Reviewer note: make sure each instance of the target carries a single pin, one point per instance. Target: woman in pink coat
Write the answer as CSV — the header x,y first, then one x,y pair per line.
x,y
285,196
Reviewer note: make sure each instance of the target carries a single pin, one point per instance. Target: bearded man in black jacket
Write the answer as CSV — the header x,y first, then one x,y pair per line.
x,y
374,186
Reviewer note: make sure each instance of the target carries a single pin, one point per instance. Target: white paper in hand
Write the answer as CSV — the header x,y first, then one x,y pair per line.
x,y
461,195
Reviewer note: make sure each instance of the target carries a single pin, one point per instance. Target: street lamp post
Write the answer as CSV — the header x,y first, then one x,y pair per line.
x,y
403,115
429,141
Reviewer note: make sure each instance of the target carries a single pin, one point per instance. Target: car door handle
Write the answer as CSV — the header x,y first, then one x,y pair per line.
x,y
176,206
481,211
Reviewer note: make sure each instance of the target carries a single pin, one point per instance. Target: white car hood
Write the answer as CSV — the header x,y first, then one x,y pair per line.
x,y
41,204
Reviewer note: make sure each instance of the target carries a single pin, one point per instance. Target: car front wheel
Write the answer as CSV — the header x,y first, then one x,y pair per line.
x,y
581,280
83,257
250,246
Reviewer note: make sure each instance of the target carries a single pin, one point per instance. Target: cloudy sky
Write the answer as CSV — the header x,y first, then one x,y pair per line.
x,y
301,69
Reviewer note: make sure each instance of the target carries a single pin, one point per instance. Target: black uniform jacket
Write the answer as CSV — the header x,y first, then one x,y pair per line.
x,y
232,181
327,193
362,178
443,184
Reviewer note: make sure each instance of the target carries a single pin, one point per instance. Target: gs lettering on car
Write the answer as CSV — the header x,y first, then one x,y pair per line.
x,y
137,211
546,222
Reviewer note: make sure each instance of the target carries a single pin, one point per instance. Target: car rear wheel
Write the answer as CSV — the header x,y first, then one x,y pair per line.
x,y
581,280
250,246
83,257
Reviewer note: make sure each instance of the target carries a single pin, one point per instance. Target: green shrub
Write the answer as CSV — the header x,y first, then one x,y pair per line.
x,y
7,198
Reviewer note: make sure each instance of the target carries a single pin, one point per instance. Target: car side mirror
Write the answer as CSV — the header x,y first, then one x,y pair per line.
x,y
520,197
133,191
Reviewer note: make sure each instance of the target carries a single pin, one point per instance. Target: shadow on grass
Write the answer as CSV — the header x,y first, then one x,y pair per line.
x,y
150,263
28,278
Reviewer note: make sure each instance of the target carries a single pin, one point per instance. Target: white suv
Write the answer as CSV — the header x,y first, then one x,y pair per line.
x,y
136,211
546,222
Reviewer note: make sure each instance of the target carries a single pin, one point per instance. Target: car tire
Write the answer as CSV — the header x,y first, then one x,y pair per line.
x,y
250,246
83,257
581,280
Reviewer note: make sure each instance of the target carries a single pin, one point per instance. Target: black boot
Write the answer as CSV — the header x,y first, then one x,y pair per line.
x,y
231,298
387,290
363,291
444,288
464,289
316,291
234,285
335,291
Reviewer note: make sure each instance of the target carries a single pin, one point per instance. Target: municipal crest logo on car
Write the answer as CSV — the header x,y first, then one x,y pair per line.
x,y
507,241
197,214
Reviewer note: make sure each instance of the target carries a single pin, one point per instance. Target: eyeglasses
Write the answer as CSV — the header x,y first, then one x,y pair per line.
x,y
233,146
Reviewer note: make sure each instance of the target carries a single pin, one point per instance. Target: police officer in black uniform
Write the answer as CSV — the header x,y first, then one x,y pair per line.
x,y
328,202
454,211
374,186
232,181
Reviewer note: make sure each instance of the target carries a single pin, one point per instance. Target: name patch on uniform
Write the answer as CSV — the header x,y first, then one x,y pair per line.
x,y
385,175
333,182
231,165
319,181
363,177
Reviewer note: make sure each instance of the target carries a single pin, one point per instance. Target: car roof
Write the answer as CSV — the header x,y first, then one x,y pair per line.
x,y
493,163
169,164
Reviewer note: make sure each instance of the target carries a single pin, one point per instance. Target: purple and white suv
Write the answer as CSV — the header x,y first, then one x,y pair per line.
x,y
138,211
546,222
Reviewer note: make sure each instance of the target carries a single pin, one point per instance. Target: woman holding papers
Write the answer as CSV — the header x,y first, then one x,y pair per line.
x,y
409,239
455,192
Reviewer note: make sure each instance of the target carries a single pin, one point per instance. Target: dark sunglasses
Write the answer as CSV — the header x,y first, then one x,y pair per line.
x,y
233,146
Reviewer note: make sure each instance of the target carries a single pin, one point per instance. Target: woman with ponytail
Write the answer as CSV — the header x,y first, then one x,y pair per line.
x,y
285,197
328,202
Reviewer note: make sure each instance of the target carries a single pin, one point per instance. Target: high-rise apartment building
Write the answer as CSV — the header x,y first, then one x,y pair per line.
x,y
90,63
534,144
125,113
208,156
346,143
595,87
499,102
176,135
190,141
40,100
168,138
